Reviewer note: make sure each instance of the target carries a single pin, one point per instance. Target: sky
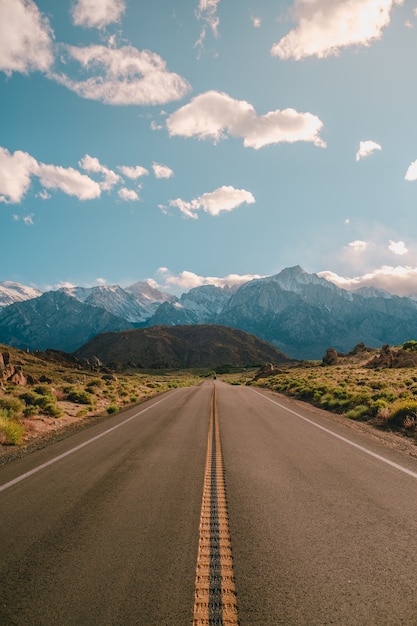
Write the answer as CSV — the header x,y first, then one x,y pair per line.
x,y
191,142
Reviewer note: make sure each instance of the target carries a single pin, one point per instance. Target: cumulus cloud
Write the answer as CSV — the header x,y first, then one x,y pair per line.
x,y
133,172
188,280
25,37
358,245
17,170
326,26
411,173
397,247
162,171
399,280
256,21
92,164
366,148
225,198
122,76
68,180
213,115
128,195
97,13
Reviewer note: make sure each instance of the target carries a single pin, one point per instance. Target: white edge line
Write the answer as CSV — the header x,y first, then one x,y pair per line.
x,y
18,479
344,439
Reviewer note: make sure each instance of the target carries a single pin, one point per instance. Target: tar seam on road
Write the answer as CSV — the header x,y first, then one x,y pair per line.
x,y
18,479
215,592
345,439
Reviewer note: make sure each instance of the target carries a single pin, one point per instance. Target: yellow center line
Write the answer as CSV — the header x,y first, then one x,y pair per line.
x,y
215,592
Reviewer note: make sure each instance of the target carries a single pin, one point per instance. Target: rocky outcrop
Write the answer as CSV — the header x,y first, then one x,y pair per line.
x,y
391,358
331,357
266,371
11,373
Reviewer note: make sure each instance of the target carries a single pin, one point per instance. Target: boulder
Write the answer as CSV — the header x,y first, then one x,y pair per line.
x,y
331,357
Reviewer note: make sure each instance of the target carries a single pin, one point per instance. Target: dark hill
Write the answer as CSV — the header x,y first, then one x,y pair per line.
x,y
171,347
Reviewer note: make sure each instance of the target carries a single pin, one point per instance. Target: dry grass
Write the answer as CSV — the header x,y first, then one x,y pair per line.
x,y
68,394
387,398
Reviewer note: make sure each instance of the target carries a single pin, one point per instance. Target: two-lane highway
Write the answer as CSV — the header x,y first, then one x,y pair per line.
x,y
136,520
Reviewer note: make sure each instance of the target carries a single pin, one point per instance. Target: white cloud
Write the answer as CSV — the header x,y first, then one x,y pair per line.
x,y
162,171
411,173
25,37
207,11
28,219
224,198
325,26
68,180
399,280
122,76
15,175
97,13
256,21
397,247
213,114
366,148
358,245
92,164
133,172
128,195
188,280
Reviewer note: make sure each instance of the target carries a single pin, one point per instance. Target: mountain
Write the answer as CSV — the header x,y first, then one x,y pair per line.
x,y
172,347
136,303
15,292
201,305
55,320
304,314
300,313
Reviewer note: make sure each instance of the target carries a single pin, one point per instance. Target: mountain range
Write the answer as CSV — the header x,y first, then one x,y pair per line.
x,y
300,313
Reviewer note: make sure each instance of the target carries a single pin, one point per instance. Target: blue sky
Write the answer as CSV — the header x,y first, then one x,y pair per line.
x,y
203,141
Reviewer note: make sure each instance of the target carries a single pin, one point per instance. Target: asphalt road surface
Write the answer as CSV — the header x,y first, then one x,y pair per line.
x,y
104,527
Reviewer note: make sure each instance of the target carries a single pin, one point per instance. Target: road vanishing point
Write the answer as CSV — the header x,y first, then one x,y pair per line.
x,y
210,505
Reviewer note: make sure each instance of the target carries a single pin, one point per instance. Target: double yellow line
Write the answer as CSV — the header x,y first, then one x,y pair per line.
x,y
215,593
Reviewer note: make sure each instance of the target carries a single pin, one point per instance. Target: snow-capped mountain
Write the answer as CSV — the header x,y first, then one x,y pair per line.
x,y
300,313
11,292
200,305
136,306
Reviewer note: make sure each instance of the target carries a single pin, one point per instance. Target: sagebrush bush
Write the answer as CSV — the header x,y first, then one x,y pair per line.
x,y
11,406
11,432
402,410
78,396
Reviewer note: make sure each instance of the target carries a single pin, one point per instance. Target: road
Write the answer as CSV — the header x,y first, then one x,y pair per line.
x,y
108,526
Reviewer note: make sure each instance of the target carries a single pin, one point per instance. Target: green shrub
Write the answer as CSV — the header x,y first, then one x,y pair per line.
x,y
11,432
11,406
78,396
52,409
358,412
112,408
402,410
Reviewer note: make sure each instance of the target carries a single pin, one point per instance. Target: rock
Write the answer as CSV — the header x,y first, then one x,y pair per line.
x,y
331,357
17,378
267,370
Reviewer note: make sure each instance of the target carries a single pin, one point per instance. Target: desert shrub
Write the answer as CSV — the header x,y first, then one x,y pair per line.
x,y
411,345
78,396
11,432
400,411
112,408
30,410
358,412
11,406
43,390
52,409
95,382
